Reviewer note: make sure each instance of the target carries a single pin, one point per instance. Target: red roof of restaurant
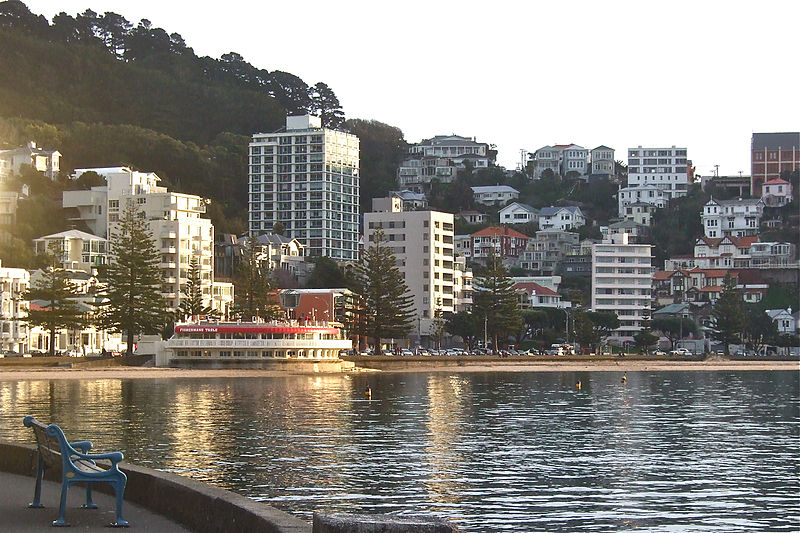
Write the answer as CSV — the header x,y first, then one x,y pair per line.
x,y
776,181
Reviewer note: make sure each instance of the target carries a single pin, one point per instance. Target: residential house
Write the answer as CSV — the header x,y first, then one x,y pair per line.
x,y
532,295
561,159
785,321
776,193
74,250
740,217
640,212
441,157
546,250
773,255
603,163
473,217
636,232
494,194
45,161
642,194
561,218
518,213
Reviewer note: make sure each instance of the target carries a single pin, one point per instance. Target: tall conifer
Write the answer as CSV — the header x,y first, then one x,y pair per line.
x,y
729,315
495,301
55,307
383,307
192,305
130,301
253,295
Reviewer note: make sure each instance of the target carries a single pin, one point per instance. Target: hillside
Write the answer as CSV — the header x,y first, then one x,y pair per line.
x,y
104,92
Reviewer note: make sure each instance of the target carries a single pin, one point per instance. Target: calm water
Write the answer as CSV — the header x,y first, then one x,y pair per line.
x,y
682,451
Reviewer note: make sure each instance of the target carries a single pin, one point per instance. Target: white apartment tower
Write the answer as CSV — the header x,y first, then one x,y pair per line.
x,y
422,242
178,230
307,178
622,276
666,168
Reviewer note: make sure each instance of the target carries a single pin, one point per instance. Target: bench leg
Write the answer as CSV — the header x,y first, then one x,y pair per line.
x,y
89,503
37,492
61,522
119,491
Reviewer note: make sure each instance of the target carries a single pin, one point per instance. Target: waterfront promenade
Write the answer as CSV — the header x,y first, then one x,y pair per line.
x,y
16,492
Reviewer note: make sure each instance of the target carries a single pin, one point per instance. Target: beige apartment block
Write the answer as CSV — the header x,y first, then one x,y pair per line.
x,y
422,242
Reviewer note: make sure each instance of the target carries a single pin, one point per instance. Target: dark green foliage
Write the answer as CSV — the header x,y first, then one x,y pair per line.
x,y
383,308
326,275
55,295
728,315
674,328
466,325
495,301
325,105
591,327
644,339
780,298
676,229
192,305
760,329
130,301
382,150
253,286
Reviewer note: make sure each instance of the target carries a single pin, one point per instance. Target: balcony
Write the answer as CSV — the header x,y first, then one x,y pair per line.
x,y
169,235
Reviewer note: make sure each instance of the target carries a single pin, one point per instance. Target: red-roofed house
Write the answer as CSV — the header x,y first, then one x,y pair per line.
x,y
776,192
500,241
532,294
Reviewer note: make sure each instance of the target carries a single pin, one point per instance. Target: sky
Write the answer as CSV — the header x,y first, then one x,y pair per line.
x,y
699,74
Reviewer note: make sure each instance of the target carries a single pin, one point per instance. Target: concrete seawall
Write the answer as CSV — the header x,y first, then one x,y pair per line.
x,y
196,505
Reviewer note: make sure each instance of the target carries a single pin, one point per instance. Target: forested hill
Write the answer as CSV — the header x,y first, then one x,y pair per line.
x,y
107,92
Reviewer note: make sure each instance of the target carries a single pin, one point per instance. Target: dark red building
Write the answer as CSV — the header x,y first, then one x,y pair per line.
x,y
771,154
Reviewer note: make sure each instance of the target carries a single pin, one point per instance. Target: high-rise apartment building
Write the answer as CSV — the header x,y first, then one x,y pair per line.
x,y
622,276
14,283
422,242
771,154
174,218
666,168
307,178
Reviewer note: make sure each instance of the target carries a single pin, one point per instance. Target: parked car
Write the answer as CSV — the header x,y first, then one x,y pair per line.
x,y
11,353
406,352
681,352
658,353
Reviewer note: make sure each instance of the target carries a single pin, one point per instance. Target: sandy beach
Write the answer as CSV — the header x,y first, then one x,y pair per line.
x,y
121,372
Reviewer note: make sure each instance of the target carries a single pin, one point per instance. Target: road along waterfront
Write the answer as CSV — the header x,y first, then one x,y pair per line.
x,y
702,450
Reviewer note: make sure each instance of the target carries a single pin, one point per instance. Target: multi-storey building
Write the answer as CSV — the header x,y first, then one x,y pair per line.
x,y
174,220
8,214
603,163
561,159
531,295
14,282
740,217
622,277
277,253
666,168
422,242
45,161
546,251
307,178
75,250
647,194
770,155
639,212
441,157
462,285
500,242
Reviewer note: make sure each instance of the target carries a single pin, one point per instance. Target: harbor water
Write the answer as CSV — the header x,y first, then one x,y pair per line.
x,y
657,451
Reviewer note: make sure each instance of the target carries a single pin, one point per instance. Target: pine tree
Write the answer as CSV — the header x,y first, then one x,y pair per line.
x,y
383,308
495,301
729,315
192,305
254,286
57,308
131,301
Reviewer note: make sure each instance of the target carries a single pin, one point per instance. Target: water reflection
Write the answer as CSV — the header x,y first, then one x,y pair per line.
x,y
688,451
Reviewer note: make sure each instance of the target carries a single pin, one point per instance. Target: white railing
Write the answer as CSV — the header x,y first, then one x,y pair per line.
x,y
334,344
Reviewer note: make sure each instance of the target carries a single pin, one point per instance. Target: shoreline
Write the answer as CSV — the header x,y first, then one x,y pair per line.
x,y
122,372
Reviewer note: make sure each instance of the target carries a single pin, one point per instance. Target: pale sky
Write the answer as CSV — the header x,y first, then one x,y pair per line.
x,y
521,74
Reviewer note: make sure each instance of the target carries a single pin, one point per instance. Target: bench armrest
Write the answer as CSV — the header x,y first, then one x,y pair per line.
x,y
83,445
114,457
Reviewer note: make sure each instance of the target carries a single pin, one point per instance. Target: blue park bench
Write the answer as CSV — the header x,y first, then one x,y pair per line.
x,y
76,466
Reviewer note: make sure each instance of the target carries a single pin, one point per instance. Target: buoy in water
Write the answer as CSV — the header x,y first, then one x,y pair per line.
x,y
624,378
578,385
368,392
